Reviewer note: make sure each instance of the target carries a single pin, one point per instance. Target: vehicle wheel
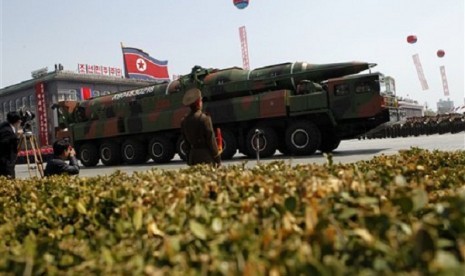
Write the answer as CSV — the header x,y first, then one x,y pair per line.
x,y
110,153
303,138
282,144
282,149
88,154
329,142
267,142
161,150
134,152
181,148
229,145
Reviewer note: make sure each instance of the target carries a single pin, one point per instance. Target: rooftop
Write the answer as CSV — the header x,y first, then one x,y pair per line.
x,y
67,75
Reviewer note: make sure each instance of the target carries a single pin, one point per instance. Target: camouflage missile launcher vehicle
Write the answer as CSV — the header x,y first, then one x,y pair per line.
x,y
296,108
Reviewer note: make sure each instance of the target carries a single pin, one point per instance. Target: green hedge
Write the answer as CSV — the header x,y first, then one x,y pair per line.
x,y
400,214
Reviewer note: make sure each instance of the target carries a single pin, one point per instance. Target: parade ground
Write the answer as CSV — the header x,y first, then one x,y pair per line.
x,y
349,151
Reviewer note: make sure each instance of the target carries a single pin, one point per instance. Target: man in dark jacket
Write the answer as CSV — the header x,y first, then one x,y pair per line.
x,y
9,140
197,131
62,151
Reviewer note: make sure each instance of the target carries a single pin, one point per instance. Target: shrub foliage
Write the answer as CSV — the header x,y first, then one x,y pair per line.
x,y
393,214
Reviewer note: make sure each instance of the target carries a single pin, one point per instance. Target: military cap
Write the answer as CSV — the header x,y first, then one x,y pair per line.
x,y
12,117
191,96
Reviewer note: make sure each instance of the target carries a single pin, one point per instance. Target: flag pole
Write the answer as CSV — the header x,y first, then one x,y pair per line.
x,y
124,61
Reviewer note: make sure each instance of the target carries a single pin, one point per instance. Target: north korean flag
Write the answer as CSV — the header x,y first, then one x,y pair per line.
x,y
139,65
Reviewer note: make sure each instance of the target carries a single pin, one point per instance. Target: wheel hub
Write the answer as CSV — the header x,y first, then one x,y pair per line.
x,y
85,156
157,149
300,138
129,152
106,154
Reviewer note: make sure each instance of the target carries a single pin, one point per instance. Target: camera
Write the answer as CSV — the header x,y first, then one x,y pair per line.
x,y
26,117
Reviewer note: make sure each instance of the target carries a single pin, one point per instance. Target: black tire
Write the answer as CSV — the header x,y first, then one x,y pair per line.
x,y
180,148
88,155
303,138
110,153
134,152
282,144
268,142
329,142
161,149
229,145
284,150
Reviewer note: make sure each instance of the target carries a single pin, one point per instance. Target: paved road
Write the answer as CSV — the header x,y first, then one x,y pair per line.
x,y
349,151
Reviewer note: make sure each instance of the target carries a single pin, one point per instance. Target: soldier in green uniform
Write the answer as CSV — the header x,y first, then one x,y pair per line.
x,y
197,131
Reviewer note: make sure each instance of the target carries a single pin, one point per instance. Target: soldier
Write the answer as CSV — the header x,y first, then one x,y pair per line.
x,y
197,131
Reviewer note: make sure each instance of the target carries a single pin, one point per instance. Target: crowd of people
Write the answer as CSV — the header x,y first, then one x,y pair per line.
x,y
421,125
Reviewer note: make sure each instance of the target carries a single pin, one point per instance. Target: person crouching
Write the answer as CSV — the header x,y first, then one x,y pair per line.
x,y
62,152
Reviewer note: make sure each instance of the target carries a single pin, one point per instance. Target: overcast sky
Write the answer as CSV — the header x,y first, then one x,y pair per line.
x,y
36,34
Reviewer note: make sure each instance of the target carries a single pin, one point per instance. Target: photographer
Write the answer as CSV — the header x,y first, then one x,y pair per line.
x,y
62,151
9,140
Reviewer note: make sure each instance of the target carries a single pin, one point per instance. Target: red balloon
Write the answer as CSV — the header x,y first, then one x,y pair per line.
x,y
411,39
440,53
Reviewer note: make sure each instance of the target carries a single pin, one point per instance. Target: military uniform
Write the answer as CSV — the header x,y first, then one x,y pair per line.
x,y
198,134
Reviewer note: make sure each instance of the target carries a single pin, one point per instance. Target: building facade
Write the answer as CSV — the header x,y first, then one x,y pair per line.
x,y
445,106
410,108
399,108
40,93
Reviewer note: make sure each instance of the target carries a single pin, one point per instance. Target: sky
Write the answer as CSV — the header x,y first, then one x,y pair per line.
x,y
36,34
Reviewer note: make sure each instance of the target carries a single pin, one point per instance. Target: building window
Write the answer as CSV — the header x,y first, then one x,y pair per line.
x,y
5,109
32,102
24,101
72,96
67,95
18,104
12,105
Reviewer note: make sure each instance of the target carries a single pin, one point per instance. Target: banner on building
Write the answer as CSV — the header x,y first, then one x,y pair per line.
x,y
82,68
140,65
42,113
92,69
97,69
